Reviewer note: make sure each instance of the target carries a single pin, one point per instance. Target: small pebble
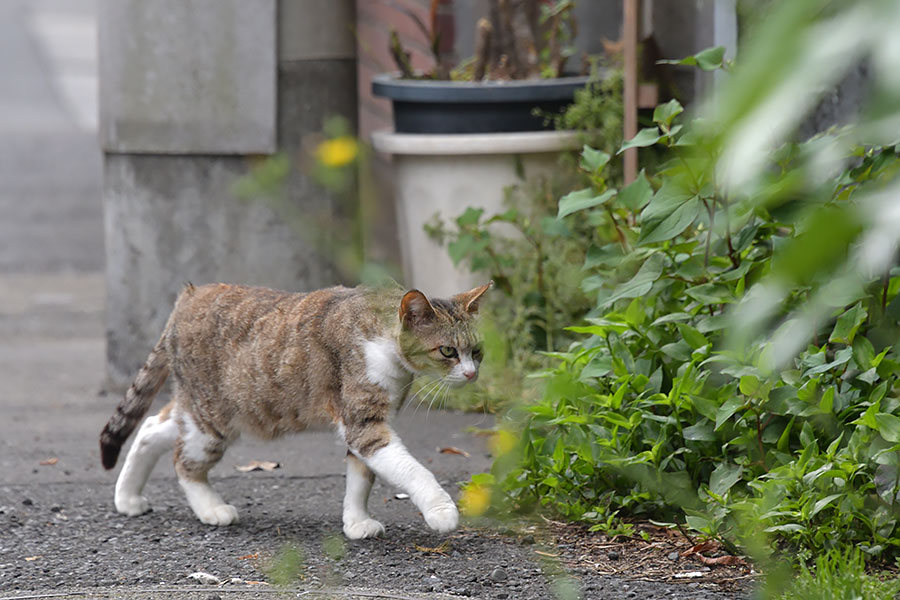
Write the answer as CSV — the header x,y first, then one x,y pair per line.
x,y
672,556
499,575
27,502
528,539
55,509
502,595
613,555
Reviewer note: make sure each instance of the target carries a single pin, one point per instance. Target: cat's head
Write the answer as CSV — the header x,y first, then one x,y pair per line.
x,y
439,337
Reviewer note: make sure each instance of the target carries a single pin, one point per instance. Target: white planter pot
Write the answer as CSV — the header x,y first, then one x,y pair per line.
x,y
447,173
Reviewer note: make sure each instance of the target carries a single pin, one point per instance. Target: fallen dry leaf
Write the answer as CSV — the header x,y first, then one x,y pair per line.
x,y
721,560
31,558
546,554
47,462
249,556
453,450
707,546
258,465
257,583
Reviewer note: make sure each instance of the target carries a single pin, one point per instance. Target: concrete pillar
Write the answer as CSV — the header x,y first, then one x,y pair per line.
x,y
192,92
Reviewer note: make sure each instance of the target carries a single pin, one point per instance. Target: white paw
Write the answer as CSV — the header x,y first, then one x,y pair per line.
x,y
132,506
220,514
443,516
363,529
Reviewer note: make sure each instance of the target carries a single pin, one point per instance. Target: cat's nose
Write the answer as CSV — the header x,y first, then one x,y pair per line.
x,y
470,375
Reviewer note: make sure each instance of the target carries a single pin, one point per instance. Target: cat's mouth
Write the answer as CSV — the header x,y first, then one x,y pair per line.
x,y
458,382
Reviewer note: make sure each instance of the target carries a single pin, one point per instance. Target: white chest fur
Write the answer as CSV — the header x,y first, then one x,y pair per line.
x,y
384,367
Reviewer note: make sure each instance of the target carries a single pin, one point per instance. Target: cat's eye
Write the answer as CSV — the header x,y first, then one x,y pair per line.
x,y
477,352
448,351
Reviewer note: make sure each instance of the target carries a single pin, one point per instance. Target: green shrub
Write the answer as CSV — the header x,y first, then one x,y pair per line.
x,y
671,407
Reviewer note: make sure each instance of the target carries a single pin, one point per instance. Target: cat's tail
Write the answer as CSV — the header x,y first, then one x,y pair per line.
x,y
135,405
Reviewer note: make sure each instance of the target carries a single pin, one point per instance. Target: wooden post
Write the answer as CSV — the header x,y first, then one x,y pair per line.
x,y
630,92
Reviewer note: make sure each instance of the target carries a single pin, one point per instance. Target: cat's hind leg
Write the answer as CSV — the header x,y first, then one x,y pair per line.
x,y
155,437
357,522
196,452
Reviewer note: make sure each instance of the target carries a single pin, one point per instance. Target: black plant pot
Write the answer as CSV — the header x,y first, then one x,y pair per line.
x,y
427,106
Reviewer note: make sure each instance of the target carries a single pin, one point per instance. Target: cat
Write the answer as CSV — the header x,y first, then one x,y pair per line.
x,y
265,362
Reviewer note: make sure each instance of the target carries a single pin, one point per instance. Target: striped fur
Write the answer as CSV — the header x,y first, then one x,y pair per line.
x,y
135,405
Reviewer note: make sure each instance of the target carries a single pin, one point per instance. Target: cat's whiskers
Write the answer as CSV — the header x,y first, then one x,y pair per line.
x,y
426,389
442,392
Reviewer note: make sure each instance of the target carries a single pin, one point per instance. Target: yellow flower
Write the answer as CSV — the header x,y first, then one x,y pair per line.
x,y
337,152
475,500
502,442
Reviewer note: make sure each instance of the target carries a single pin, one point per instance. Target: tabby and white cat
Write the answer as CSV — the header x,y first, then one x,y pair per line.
x,y
268,363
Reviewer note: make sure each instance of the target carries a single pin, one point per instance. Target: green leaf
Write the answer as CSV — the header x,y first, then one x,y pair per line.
x,y
826,404
636,194
749,385
645,137
642,281
593,160
728,408
724,477
580,200
710,293
671,211
863,353
692,336
701,432
509,216
708,60
470,217
664,113
822,503
847,324
460,248
888,426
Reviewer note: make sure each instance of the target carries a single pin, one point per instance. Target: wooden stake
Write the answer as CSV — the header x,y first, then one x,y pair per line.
x,y
630,93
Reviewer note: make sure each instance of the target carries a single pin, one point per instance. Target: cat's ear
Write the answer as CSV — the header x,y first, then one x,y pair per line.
x,y
469,300
415,309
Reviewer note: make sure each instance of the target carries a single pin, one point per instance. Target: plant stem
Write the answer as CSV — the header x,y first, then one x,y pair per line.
x,y
619,232
759,443
886,282
711,211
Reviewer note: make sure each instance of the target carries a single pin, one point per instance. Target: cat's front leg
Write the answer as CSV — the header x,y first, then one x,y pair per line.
x,y
357,522
394,464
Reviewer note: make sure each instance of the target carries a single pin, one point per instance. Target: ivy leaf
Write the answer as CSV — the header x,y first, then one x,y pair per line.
x,y
636,194
580,200
645,137
642,281
593,160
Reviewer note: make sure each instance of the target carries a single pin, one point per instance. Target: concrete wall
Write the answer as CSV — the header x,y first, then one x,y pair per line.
x,y
171,213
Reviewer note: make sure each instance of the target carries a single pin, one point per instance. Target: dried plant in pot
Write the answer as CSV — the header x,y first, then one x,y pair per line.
x,y
517,74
